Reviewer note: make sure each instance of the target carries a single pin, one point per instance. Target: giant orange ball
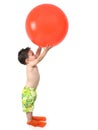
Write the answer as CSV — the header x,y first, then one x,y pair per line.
x,y
46,24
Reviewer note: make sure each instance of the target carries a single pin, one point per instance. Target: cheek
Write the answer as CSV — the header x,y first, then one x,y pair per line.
x,y
35,56
32,58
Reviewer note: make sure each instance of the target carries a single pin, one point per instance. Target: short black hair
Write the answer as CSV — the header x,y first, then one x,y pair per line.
x,y
23,55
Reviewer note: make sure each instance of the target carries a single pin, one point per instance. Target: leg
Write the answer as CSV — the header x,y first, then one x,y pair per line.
x,y
30,121
29,116
28,99
33,122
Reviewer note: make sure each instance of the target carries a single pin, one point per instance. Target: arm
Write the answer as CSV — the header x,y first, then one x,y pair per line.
x,y
38,51
40,57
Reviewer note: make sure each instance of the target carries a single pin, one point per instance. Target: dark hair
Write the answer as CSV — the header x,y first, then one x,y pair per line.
x,y
23,54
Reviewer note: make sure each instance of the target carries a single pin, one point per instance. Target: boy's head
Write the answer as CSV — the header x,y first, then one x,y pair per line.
x,y
25,56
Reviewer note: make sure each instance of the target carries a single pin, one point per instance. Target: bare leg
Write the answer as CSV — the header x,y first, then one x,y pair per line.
x,y
29,116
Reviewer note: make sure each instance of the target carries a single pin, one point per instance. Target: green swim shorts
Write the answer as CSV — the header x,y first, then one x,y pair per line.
x,y
28,98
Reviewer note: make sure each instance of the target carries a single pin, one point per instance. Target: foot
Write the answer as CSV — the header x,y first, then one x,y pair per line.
x,y
39,118
41,124
36,123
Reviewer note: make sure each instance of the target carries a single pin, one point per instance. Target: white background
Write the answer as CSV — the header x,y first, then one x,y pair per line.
x,y
68,90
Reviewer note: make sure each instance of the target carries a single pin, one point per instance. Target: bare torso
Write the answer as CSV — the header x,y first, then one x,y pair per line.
x,y
33,76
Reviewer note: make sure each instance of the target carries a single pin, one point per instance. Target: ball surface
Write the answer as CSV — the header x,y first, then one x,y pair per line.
x,y
46,24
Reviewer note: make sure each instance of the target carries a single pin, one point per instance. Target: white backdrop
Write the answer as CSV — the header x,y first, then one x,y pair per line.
x,y
68,90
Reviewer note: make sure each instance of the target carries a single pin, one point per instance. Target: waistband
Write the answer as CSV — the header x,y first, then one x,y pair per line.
x,y
31,88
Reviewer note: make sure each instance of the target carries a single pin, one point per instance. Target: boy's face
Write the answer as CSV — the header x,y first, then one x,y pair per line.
x,y
31,56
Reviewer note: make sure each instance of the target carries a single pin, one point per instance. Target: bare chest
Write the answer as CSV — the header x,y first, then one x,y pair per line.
x,y
32,73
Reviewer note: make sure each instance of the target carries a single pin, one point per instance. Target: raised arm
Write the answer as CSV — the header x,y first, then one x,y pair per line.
x,y
38,51
40,57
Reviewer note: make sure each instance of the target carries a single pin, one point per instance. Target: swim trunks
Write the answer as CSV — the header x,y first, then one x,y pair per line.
x,y
29,96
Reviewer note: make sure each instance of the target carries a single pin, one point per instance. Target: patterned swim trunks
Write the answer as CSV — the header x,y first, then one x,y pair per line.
x,y
28,98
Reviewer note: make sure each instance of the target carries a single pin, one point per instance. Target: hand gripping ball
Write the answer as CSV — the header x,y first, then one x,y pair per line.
x,y
46,24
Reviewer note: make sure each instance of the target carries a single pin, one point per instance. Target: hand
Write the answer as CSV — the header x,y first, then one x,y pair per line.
x,y
39,47
48,47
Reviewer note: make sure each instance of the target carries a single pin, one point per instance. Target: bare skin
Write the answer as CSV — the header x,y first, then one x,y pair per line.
x,y
32,72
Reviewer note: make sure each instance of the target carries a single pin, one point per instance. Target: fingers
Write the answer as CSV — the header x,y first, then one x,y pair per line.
x,y
48,47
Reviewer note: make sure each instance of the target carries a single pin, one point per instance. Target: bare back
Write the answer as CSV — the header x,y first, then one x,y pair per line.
x,y
33,76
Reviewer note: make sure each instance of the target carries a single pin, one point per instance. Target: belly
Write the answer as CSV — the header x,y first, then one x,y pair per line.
x,y
33,79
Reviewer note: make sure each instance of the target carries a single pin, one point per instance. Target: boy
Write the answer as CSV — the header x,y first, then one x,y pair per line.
x,y
28,58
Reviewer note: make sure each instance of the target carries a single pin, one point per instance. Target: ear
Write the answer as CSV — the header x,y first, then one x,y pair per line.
x,y
26,61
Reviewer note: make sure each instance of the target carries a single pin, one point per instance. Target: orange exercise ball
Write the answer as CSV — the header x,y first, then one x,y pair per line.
x,y
46,24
